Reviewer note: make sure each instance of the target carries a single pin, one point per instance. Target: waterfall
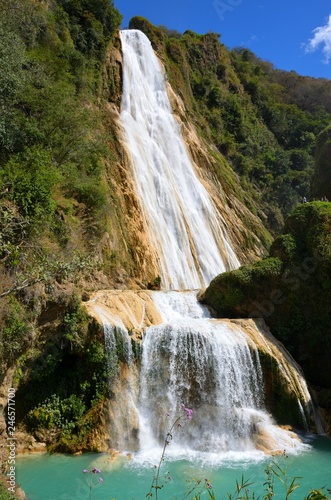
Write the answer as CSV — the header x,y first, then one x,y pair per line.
x,y
212,367
187,357
187,233
122,378
117,339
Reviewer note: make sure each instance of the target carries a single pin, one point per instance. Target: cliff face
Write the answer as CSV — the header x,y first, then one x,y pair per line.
x,y
246,231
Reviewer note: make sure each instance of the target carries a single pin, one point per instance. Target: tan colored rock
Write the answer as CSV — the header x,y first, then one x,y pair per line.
x,y
261,338
19,493
231,209
133,309
271,444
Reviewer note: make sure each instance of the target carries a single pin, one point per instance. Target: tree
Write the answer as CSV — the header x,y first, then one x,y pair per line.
x,y
321,181
12,81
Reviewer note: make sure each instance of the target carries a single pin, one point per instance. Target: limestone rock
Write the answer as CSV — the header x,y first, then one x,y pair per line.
x,y
133,309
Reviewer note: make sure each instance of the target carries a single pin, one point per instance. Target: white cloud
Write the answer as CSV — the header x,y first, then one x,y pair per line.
x,y
322,37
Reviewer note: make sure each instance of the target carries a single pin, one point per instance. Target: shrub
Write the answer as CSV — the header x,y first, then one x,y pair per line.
x,y
54,412
15,333
29,178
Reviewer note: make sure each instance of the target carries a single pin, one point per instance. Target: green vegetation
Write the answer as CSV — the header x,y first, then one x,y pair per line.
x,y
321,182
291,290
281,403
274,474
16,332
54,204
5,494
64,380
53,146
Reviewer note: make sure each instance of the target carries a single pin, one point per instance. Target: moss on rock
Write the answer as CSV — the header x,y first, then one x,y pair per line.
x,y
235,294
279,400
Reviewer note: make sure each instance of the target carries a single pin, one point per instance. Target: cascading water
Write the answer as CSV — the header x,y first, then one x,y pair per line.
x,y
203,364
118,345
116,338
187,233
211,367
188,357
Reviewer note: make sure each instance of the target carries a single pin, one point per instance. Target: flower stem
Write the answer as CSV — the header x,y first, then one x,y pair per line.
x,y
155,482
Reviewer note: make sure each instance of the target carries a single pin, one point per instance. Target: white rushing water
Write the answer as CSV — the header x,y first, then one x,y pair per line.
x,y
190,358
187,233
210,367
117,338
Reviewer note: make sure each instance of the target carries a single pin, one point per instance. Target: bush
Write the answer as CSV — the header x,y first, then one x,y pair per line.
x,y
15,333
54,412
5,494
29,178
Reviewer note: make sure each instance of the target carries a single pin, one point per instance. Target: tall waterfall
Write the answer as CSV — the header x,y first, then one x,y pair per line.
x,y
187,357
187,233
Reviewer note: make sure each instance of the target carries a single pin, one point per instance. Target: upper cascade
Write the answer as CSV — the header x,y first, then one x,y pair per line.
x,y
187,233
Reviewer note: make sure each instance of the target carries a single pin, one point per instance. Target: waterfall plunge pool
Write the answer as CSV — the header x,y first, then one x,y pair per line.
x,y
60,477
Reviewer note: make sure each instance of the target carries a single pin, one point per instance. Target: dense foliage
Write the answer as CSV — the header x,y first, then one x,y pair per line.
x,y
63,381
52,141
321,182
5,494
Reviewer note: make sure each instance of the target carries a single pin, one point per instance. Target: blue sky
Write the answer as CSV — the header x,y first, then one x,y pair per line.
x,y
293,34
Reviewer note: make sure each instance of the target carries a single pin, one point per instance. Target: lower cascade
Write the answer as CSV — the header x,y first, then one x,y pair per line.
x,y
212,366
199,362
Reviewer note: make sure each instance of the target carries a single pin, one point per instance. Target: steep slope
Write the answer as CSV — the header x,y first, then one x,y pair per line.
x,y
321,181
